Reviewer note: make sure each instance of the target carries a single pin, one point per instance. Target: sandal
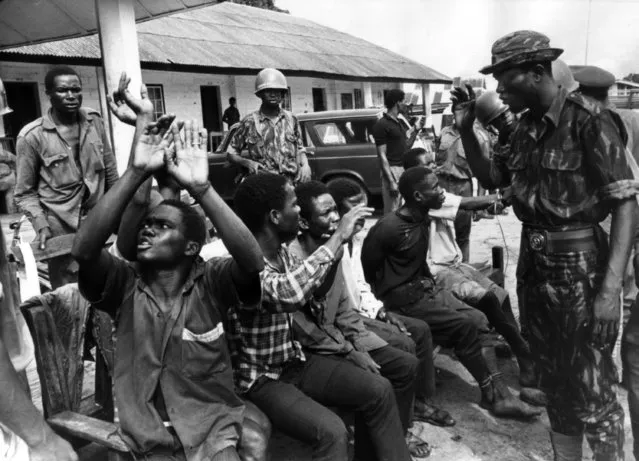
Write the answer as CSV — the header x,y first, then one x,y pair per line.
x,y
417,447
432,415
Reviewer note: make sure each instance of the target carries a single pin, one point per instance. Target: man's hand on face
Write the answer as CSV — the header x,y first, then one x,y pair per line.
x,y
464,100
348,223
153,145
188,163
126,107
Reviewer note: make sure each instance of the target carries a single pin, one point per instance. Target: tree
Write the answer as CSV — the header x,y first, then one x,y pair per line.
x,y
264,4
632,78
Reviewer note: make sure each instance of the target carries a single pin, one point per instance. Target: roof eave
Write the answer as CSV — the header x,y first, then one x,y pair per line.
x,y
203,69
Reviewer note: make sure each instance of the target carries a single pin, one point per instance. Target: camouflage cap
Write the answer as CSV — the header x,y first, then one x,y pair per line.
x,y
594,77
520,47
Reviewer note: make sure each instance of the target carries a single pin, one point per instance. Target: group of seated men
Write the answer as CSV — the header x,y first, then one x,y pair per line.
x,y
305,316
211,353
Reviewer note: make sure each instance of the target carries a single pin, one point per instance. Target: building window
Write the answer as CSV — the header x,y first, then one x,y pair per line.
x,y
359,100
156,96
286,102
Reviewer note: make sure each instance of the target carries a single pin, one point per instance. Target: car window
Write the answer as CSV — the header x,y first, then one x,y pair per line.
x,y
329,133
332,133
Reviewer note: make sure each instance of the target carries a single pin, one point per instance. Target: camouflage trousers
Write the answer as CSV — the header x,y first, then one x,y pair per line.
x,y
556,295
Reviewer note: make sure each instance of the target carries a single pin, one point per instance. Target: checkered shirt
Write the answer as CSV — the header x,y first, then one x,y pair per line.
x,y
261,340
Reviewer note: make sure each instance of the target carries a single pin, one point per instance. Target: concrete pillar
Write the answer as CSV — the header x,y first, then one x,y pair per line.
x,y
427,104
368,94
119,47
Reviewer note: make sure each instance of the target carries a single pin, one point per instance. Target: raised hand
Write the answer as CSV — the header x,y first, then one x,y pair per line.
x,y
188,163
153,144
346,227
126,107
464,100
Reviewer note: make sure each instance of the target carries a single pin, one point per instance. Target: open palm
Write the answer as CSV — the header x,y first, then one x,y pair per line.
x,y
126,107
153,144
188,162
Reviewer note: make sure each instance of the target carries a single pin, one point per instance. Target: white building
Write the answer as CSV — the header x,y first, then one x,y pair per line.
x,y
193,62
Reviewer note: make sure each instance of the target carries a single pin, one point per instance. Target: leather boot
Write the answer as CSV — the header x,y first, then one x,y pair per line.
x,y
566,447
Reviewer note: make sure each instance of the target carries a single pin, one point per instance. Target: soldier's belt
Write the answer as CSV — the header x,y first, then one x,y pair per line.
x,y
566,241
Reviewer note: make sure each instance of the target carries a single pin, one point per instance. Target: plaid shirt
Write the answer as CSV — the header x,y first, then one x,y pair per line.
x,y
261,340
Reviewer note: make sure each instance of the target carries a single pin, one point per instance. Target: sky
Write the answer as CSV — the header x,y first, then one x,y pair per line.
x,y
455,36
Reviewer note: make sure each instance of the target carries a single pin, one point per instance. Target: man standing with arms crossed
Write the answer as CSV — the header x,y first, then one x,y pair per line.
x,y
562,160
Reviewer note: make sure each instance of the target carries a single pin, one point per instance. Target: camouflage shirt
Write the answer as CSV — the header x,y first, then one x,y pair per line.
x,y
559,165
273,142
450,156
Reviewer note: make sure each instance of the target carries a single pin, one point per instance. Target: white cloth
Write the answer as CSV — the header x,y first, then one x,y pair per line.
x,y
12,447
367,304
443,250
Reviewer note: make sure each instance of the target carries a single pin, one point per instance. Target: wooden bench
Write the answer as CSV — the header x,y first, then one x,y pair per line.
x,y
59,331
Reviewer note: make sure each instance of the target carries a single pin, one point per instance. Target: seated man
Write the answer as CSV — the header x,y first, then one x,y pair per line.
x,y
467,283
170,305
394,262
292,387
396,329
256,428
329,324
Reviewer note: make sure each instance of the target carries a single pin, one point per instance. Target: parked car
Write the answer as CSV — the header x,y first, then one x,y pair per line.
x,y
340,144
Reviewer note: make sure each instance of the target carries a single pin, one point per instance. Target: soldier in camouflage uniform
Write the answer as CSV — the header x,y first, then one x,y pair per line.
x,y
561,159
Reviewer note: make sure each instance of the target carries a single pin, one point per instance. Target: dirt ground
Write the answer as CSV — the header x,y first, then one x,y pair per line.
x,y
478,436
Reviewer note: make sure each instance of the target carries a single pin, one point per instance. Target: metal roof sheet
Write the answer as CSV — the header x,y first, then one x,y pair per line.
x,y
231,36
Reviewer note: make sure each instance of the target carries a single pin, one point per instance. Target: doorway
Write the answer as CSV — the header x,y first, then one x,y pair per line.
x,y
319,99
24,99
211,114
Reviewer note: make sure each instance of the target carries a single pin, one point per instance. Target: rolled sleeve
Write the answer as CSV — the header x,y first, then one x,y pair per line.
x,y
379,133
27,178
605,150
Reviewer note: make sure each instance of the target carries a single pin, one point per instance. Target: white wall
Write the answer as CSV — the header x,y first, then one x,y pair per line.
x,y
182,89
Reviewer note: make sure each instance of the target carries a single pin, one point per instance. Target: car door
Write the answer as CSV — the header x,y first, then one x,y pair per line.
x,y
344,147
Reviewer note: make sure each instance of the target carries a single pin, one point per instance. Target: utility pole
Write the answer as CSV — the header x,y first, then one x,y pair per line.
x,y
587,32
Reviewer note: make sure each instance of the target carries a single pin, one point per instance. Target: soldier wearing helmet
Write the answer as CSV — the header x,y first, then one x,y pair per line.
x,y
455,175
271,135
565,160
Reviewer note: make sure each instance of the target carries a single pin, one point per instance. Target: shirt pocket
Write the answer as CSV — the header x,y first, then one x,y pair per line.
x,y
562,180
204,354
58,170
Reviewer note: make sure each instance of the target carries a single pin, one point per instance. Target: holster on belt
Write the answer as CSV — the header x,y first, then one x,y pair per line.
x,y
409,293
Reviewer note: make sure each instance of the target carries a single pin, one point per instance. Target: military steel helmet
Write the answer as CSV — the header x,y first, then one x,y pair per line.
x,y
4,104
270,79
488,107
563,75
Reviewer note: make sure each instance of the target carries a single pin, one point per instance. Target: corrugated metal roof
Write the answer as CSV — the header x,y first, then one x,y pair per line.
x,y
25,22
235,36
